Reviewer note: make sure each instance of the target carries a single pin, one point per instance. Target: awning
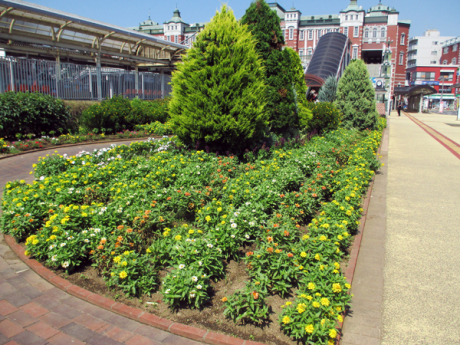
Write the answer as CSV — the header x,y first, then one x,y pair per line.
x,y
415,90
444,97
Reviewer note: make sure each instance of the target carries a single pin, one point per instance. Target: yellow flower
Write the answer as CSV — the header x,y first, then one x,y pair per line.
x,y
288,303
303,254
316,305
178,237
309,329
330,342
336,288
301,307
27,253
323,321
333,333
126,252
311,286
34,242
124,263
208,218
117,259
336,265
325,302
347,285
317,257
123,275
112,274
339,308
191,231
340,318
340,237
148,250
53,237
286,319
303,296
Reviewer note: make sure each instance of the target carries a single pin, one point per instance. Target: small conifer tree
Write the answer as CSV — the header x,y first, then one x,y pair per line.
x,y
264,24
218,92
328,92
300,88
356,98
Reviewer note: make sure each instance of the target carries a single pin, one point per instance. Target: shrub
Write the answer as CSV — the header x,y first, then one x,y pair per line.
x,y
328,92
356,98
110,113
326,117
219,94
76,109
149,111
31,113
264,24
156,127
300,88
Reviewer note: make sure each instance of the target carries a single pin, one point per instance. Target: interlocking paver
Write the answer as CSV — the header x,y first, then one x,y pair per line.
x,y
140,340
90,322
17,298
55,320
99,339
43,330
77,331
28,338
64,339
116,333
66,311
21,318
6,307
34,310
10,329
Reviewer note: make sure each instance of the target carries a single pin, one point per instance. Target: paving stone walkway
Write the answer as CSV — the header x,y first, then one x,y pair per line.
x,y
34,312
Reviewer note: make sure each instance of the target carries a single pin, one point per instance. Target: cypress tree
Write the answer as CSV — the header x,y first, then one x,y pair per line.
x,y
264,24
300,88
218,92
328,92
356,97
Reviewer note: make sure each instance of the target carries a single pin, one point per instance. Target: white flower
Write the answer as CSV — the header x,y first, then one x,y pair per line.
x,y
181,266
210,245
92,235
42,178
63,244
198,174
52,246
248,203
247,236
65,264
86,240
234,225
192,295
195,278
236,214
232,236
167,291
200,263
273,181
199,287
70,238
83,163
97,230
84,231
54,258
232,221
252,223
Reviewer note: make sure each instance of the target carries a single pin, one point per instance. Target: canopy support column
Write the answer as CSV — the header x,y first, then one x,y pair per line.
x,y
99,77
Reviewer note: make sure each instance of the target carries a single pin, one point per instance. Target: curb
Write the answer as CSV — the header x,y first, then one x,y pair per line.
x,y
190,332
76,144
194,333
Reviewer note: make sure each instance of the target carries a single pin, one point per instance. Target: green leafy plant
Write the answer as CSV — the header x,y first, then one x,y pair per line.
x,y
326,117
328,92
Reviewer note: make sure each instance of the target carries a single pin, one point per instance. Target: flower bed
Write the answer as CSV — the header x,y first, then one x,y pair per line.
x,y
134,211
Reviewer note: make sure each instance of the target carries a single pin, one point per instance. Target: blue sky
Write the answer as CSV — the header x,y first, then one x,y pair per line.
x,y
424,14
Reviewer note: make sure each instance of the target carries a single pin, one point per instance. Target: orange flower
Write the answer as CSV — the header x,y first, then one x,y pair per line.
x,y
290,255
324,188
103,241
278,251
218,170
179,191
31,220
131,244
269,239
286,233
120,227
297,226
129,230
187,194
117,244
168,198
225,299
270,250
249,253
282,196
314,195
100,247
276,225
92,252
147,212
119,239
255,294
278,215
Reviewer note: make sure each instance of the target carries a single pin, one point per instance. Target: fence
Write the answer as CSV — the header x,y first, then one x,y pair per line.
x,y
79,82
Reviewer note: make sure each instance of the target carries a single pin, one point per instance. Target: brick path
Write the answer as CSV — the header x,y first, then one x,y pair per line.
x,y
34,312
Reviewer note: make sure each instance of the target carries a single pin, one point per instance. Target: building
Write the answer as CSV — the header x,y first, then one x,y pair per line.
x,y
373,33
426,50
450,52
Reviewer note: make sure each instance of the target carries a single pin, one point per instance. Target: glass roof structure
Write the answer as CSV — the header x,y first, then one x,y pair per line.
x,y
37,30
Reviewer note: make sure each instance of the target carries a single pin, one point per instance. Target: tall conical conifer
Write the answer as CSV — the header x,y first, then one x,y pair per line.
x,y
328,92
356,97
264,24
219,92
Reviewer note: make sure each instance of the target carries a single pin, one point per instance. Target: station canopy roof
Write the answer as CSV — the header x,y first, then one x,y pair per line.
x,y
37,30
415,90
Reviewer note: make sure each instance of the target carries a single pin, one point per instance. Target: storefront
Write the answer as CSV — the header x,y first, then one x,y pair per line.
x,y
433,101
414,95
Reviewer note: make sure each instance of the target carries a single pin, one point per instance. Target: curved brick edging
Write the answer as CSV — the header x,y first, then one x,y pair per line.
x,y
177,328
55,147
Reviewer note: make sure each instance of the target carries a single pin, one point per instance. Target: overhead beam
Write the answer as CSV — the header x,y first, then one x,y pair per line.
x,y
5,11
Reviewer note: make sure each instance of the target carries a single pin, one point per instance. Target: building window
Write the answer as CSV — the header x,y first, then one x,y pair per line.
x,y
301,52
374,33
356,32
366,33
175,27
356,17
301,34
454,61
310,34
319,33
291,33
446,50
435,43
382,33
346,17
176,39
284,33
401,58
345,31
403,39
454,48
355,53
444,62
433,62
310,51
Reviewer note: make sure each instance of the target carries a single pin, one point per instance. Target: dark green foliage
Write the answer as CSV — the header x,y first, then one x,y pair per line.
x,y
76,109
264,24
356,98
326,117
328,92
219,94
120,113
300,88
31,113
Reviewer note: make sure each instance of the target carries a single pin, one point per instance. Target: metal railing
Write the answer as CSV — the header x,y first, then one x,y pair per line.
x,y
78,82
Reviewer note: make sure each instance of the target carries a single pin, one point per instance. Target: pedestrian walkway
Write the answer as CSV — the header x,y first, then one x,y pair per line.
x,y
417,250
34,312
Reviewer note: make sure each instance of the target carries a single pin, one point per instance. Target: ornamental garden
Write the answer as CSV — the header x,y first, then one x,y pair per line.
x,y
255,178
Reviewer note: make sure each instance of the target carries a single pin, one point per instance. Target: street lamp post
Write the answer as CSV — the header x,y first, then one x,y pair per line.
x,y
441,107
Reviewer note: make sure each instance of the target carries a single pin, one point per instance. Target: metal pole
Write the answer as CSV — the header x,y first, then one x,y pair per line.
x,y
12,76
162,83
441,108
136,80
58,74
99,77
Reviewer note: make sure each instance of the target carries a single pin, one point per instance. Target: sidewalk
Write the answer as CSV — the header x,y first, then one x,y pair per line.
x,y
34,312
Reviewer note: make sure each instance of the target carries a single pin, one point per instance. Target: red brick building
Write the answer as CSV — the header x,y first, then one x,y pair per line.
x,y
451,52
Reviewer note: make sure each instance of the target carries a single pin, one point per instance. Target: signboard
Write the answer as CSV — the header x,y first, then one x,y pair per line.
x,y
378,83
424,82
